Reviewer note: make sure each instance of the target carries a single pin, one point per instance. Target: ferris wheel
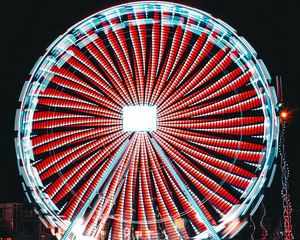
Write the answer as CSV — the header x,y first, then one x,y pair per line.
x,y
148,119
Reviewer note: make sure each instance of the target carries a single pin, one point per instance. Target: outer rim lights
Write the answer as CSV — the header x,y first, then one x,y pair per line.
x,y
215,109
139,118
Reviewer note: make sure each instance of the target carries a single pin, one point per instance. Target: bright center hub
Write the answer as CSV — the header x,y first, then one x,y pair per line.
x,y
139,118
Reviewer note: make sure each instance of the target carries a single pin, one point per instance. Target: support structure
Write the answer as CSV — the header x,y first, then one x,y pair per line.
x,y
264,235
286,203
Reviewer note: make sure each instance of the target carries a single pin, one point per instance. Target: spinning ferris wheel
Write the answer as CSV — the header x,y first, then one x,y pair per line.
x,y
148,119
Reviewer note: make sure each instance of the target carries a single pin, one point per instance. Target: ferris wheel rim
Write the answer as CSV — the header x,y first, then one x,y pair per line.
x,y
76,25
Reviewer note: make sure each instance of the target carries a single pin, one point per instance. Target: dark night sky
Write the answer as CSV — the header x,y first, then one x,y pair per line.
x,y
28,27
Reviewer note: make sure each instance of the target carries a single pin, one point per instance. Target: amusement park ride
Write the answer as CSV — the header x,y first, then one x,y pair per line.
x,y
151,120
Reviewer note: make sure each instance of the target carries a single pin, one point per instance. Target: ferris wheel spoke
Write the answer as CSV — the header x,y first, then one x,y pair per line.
x,y
87,67
107,61
106,58
60,160
68,180
71,139
111,78
200,190
195,79
185,190
212,180
122,60
55,98
191,167
75,106
229,83
142,218
65,79
240,154
117,226
227,133
186,210
93,80
219,62
116,40
255,121
115,192
217,142
142,195
129,192
126,70
196,125
114,162
206,157
224,59
59,95
110,73
187,65
214,205
169,60
250,130
236,104
85,93
73,202
80,137
190,71
76,171
225,84
149,73
165,209
164,33
211,156
164,47
159,81
81,122
61,190
138,55
121,216
221,101
55,141
142,34
184,46
154,45
147,187
111,196
90,75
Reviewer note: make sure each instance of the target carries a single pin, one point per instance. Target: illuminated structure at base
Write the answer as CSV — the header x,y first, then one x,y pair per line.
x,y
286,202
95,166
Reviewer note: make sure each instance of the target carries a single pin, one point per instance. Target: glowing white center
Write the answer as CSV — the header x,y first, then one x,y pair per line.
x,y
139,118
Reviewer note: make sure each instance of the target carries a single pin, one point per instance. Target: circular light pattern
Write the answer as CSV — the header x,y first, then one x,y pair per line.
x,y
197,173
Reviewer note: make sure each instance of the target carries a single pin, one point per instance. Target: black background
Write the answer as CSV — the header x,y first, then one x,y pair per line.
x,y
29,27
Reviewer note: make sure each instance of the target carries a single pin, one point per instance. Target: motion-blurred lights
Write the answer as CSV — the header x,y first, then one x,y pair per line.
x,y
78,228
139,118
86,238
233,226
